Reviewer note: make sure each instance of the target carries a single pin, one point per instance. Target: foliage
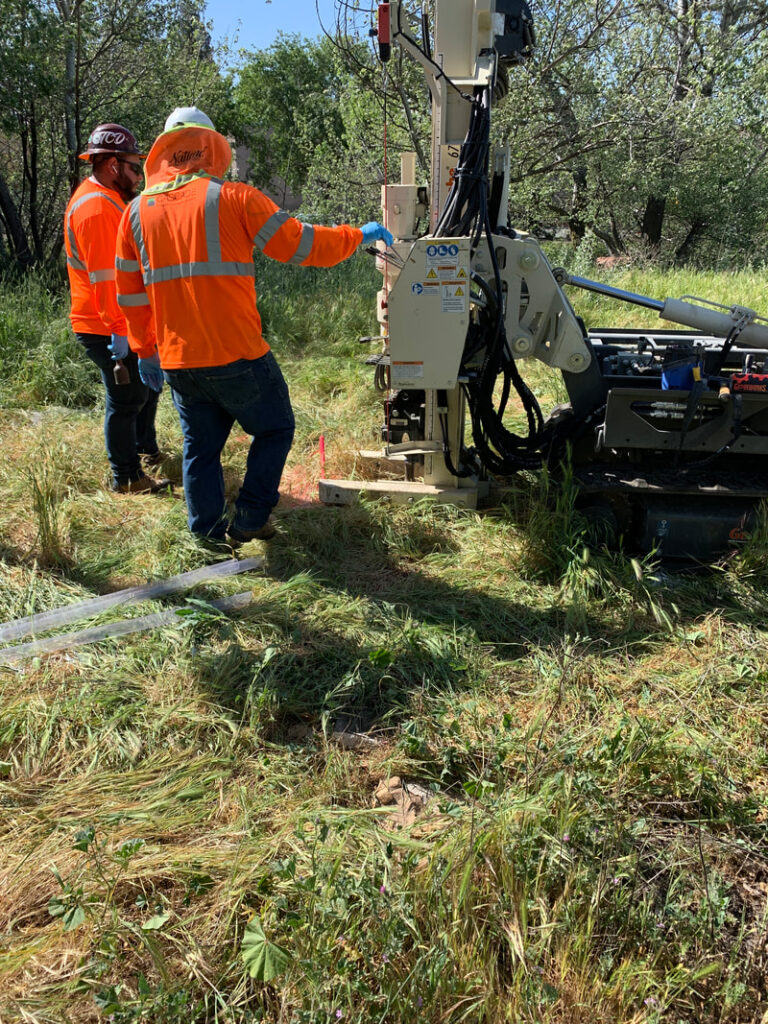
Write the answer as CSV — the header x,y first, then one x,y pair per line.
x,y
641,123
315,117
639,127
288,98
70,66
262,959
41,362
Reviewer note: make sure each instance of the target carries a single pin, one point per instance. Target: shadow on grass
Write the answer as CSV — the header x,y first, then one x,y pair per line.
x,y
366,618
12,555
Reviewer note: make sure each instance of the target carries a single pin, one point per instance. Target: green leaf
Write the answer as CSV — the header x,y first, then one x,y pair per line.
x,y
84,837
478,787
263,959
57,907
72,914
107,999
549,993
73,918
381,657
155,922
191,793
128,849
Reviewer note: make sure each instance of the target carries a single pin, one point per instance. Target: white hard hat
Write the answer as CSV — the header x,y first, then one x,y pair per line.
x,y
183,116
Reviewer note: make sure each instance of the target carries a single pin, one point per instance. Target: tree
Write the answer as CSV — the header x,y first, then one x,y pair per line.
x,y
70,64
287,97
314,112
638,121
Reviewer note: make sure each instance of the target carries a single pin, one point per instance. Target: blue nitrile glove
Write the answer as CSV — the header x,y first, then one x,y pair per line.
x,y
373,232
119,346
150,372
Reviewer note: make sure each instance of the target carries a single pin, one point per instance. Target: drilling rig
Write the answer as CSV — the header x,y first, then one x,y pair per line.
x,y
666,430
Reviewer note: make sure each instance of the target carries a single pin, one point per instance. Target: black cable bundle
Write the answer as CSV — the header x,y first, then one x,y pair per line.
x,y
462,213
466,212
500,450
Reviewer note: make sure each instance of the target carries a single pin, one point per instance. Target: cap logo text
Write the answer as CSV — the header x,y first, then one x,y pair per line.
x,y
183,156
108,138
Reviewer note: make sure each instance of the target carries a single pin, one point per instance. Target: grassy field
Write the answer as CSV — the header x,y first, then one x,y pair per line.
x,y
552,805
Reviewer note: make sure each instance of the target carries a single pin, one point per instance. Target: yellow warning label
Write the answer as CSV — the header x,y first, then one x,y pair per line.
x,y
461,272
431,274
459,291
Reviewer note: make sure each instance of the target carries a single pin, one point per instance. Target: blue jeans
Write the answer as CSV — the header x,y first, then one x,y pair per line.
x,y
209,400
129,417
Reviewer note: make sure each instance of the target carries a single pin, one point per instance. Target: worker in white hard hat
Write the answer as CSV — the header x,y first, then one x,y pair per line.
x,y
187,116
185,280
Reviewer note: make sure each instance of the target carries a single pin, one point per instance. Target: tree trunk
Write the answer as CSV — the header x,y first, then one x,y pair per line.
x,y
69,128
20,250
70,21
566,116
576,222
684,46
684,250
653,220
412,132
32,165
611,238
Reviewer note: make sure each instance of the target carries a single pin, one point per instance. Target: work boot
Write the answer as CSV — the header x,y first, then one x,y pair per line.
x,y
144,485
153,458
241,536
217,547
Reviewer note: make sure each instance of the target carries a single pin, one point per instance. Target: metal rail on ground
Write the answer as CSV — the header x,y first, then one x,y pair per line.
x,y
66,641
43,621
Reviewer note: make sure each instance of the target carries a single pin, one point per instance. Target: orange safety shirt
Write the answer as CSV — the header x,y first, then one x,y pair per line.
x,y
185,272
90,229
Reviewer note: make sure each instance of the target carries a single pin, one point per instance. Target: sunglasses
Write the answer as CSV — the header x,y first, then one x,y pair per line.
x,y
136,168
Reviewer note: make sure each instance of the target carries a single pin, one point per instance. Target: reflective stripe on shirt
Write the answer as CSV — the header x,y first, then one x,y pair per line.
x,y
269,228
178,182
130,266
272,225
214,266
138,235
74,259
305,244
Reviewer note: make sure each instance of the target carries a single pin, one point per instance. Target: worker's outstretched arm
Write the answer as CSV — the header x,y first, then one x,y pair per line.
x,y
284,238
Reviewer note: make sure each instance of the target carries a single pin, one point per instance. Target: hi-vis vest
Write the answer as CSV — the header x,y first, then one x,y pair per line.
x,y
91,222
214,265
185,273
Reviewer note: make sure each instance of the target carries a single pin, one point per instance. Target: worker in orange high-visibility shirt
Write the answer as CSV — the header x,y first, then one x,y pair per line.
x,y
90,228
185,281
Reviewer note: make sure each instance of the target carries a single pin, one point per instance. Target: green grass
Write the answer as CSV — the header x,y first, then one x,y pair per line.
x,y
185,839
